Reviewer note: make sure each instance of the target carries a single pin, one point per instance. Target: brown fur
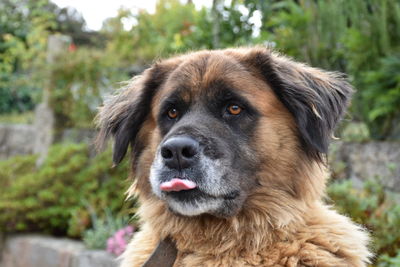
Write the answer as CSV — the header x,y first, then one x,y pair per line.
x,y
284,221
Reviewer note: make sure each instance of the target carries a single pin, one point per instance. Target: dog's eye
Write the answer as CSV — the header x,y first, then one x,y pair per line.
x,y
234,109
173,113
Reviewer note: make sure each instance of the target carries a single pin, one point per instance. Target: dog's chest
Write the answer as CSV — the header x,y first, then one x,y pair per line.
x,y
233,259
281,254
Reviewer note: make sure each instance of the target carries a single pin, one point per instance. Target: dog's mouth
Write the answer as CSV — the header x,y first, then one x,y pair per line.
x,y
182,189
204,188
177,185
196,201
188,196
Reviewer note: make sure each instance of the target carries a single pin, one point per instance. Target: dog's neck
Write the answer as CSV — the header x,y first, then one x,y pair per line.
x,y
239,233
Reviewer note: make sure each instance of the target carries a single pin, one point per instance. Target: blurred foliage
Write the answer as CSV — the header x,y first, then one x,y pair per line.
x,y
358,37
354,132
103,228
174,27
78,79
387,261
26,117
24,28
55,197
375,209
381,97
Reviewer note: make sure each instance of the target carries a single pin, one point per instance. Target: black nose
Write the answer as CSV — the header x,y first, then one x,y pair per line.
x,y
179,152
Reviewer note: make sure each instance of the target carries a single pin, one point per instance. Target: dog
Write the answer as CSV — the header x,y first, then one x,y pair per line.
x,y
228,155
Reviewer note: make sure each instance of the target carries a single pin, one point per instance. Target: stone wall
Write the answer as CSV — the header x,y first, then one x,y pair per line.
x,y
23,139
369,160
40,251
16,139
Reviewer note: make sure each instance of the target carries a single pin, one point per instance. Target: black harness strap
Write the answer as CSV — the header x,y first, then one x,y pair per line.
x,y
164,255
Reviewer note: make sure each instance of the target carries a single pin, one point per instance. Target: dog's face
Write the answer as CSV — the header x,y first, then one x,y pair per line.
x,y
210,128
207,119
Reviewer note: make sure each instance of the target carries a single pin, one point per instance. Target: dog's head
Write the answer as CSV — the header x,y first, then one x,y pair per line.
x,y
208,129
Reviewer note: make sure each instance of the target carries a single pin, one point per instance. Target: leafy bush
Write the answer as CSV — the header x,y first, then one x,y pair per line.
x,y
354,132
174,27
24,28
358,37
387,261
79,80
376,210
54,198
381,96
15,96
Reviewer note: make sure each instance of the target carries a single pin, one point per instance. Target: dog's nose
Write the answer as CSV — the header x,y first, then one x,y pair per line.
x,y
179,152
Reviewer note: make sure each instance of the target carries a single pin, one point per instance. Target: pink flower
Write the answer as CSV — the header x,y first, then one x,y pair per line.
x,y
110,245
117,243
129,229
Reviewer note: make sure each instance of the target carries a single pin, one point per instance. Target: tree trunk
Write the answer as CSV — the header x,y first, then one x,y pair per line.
x,y
216,19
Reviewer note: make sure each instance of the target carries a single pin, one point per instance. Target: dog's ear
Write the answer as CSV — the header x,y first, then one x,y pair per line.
x,y
317,99
123,114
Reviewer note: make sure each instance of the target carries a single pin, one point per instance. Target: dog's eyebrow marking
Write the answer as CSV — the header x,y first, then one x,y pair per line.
x,y
223,90
220,92
174,98
182,94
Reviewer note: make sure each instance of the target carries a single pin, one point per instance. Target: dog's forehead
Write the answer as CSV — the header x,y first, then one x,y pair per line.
x,y
206,73
199,73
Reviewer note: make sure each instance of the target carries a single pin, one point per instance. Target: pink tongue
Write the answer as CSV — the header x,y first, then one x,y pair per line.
x,y
177,184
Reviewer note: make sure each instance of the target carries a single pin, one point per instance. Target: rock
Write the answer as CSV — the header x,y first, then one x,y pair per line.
x,y
94,258
40,251
79,135
16,139
23,139
372,160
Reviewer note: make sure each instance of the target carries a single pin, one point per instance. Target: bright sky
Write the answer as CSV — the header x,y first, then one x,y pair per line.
x,y
96,11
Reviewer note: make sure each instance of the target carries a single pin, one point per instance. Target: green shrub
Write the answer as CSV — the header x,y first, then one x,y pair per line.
x,y
387,261
54,198
381,96
78,80
358,37
354,132
376,210
15,96
24,28
10,168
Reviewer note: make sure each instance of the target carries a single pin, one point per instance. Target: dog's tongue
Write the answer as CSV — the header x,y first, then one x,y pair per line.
x,y
177,184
